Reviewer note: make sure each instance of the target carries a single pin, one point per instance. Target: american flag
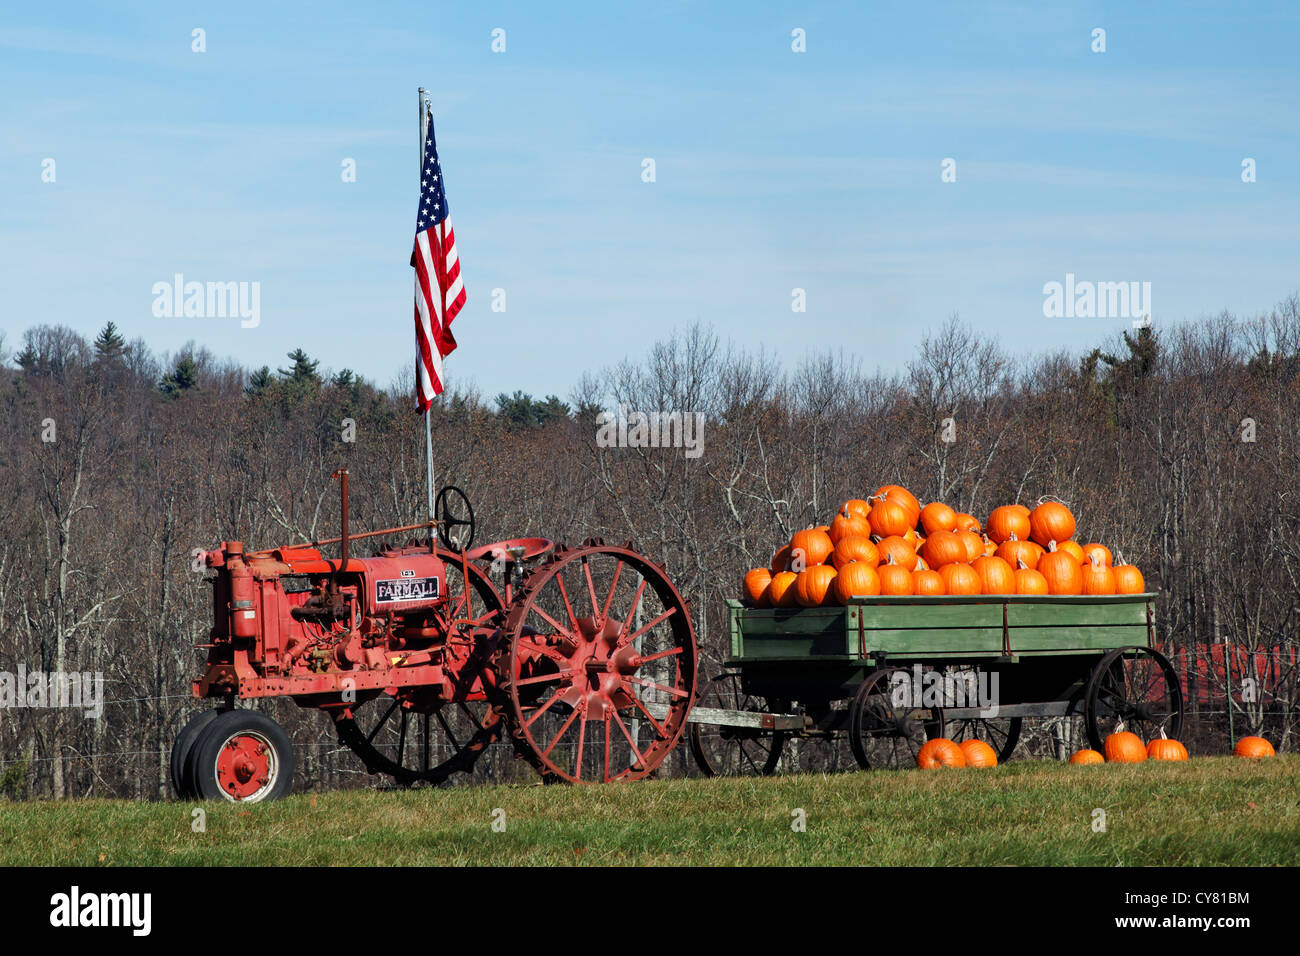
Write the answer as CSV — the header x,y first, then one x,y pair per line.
x,y
439,293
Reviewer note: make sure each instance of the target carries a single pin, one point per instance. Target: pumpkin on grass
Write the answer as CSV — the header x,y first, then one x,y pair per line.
x,y
960,579
937,516
928,583
1162,748
857,579
1253,747
813,545
1051,521
1086,756
940,752
1062,573
1008,522
756,583
855,548
978,753
781,593
1124,746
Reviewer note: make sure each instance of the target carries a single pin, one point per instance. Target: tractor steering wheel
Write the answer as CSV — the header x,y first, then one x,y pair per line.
x,y
451,514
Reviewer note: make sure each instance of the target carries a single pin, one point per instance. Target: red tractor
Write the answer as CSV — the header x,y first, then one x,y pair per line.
x,y
585,657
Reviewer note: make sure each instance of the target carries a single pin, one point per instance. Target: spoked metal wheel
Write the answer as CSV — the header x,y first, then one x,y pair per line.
x,y
728,751
885,730
418,737
1135,686
1000,733
596,666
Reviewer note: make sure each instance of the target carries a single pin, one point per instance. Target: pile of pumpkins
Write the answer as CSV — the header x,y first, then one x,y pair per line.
x,y
889,545
1126,747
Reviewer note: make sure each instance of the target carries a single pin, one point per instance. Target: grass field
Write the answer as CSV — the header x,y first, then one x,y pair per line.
x,y
1208,811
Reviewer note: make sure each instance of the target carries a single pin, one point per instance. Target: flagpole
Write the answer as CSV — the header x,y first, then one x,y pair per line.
x,y
428,431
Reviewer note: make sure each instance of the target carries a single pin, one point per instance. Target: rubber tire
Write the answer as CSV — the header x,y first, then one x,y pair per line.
x,y
213,737
181,748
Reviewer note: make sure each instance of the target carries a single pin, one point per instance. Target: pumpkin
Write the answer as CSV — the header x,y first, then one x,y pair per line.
x,y
1029,581
813,545
1102,552
996,576
1008,522
889,518
940,752
755,588
1253,747
1097,578
1162,748
1015,551
1051,521
967,522
898,551
1086,756
1071,548
1128,580
855,548
974,544
844,526
813,585
937,516
781,593
978,753
856,507
1124,747
960,579
912,538
857,579
901,496
928,583
781,560
1063,574
990,546
943,547
895,579
920,543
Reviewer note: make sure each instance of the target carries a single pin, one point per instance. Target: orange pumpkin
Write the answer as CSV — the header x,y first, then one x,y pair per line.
x,y
1101,551
960,579
1124,747
1072,548
894,579
939,752
855,548
1162,748
1014,551
813,585
1097,578
943,547
898,551
856,507
996,576
1128,580
1253,747
844,526
756,582
901,496
973,542
858,579
937,516
1029,581
1008,522
1063,574
781,560
1051,521
889,518
967,522
813,544
1086,756
978,753
928,583
781,593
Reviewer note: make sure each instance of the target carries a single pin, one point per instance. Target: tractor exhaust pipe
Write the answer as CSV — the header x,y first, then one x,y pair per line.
x,y
342,476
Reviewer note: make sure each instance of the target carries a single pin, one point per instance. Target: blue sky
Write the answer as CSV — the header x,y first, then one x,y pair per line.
x,y
774,170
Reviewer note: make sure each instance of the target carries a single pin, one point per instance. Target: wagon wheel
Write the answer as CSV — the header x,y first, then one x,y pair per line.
x,y
596,666
1000,733
1138,687
722,751
417,737
885,734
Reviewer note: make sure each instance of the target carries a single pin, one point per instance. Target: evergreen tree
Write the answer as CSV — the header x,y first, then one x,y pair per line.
x,y
303,370
181,379
109,345
259,381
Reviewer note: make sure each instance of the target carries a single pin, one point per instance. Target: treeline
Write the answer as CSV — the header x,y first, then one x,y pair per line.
x,y
1177,447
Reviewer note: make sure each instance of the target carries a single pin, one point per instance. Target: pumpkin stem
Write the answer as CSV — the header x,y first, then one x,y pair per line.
x,y
1020,565
1051,545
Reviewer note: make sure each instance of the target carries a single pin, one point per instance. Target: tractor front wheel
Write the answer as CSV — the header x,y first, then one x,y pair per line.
x,y
241,756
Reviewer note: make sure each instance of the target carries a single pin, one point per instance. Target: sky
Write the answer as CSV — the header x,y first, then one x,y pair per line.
x,y
774,170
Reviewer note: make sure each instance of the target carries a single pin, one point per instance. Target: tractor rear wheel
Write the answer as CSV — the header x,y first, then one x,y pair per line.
x,y
241,756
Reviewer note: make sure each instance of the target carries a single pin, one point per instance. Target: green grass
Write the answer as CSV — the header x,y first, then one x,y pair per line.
x,y
1209,811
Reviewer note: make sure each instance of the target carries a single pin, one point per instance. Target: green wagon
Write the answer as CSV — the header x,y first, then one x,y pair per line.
x,y
889,672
